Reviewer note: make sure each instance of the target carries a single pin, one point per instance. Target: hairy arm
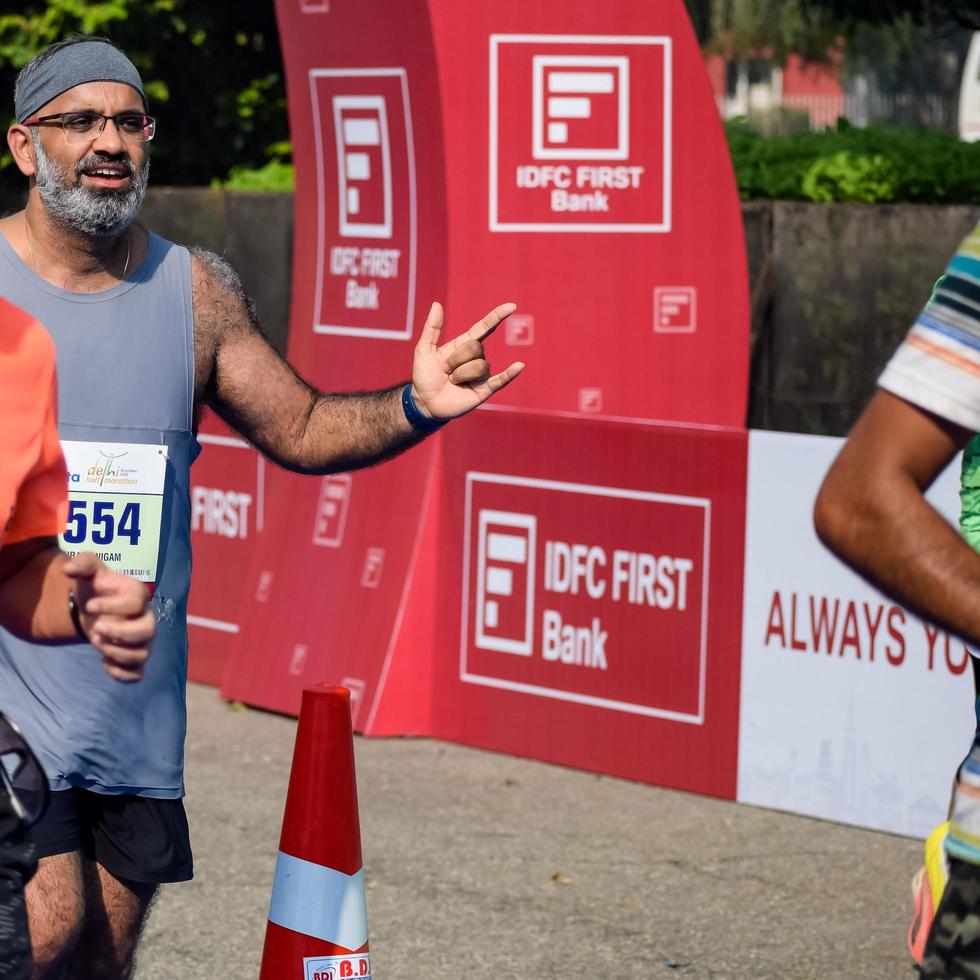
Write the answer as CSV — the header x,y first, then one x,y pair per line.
x,y
258,393
872,513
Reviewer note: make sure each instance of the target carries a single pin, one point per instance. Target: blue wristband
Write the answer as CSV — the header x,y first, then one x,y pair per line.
x,y
415,418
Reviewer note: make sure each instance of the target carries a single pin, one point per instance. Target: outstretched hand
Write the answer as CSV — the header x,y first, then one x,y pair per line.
x,y
114,615
453,379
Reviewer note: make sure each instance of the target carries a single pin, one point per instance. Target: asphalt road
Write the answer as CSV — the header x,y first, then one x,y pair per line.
x,y
486,867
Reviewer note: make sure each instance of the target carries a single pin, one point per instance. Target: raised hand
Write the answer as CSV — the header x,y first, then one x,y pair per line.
x,y
453,379
114,615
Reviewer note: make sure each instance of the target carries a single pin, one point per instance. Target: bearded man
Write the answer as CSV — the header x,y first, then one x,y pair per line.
x,y
147,334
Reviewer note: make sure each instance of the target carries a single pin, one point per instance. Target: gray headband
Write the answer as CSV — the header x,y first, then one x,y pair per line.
x,y
76,64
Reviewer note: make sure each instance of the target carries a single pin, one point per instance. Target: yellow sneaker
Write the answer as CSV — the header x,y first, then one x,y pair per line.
x,y
928,886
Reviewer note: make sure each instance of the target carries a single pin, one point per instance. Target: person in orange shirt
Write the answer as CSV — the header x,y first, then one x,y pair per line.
x,y
44,596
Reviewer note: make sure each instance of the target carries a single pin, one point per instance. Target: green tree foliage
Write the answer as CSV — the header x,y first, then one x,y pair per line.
x,y
869,165
273,176
927,13
213,73
745,27
813,28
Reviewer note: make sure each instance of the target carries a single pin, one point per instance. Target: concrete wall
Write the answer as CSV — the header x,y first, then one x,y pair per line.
x,y
834,287
252,230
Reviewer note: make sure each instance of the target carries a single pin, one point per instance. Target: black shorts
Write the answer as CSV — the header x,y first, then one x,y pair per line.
x,y
135,838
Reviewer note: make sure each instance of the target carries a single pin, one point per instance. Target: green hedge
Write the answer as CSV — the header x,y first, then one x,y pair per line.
x,y
274,176
874,164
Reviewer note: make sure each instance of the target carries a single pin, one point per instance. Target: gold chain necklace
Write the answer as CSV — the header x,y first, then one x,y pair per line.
x,y
30,249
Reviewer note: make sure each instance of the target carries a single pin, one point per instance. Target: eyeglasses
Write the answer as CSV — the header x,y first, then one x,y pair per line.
x,y
21,774
85,127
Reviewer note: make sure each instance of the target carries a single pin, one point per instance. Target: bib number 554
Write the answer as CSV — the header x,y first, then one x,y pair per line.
x,y
102,518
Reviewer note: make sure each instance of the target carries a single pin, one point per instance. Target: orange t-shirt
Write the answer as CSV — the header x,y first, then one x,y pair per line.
x,y
33,479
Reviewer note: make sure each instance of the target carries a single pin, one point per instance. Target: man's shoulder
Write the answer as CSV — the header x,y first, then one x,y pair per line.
x,y
937,367
217,286
210,265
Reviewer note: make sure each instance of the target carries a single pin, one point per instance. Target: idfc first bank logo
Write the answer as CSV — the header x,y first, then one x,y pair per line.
x,y
580,133
366,202
591,594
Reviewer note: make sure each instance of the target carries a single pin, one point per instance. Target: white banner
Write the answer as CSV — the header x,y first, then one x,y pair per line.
x,y
852,709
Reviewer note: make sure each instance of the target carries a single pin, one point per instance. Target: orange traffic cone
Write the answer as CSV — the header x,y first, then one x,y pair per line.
x,y
317,917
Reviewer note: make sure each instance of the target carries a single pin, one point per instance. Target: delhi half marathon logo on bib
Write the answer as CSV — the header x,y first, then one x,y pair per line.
x,y
366,202
106,470
591,594
580,133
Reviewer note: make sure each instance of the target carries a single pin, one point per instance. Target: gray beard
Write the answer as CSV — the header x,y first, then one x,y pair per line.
x,y
98,214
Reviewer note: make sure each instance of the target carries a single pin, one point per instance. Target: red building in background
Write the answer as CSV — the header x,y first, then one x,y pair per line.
x,y
797,95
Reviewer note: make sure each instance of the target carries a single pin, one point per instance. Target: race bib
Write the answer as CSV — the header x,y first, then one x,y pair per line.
x,y
115,504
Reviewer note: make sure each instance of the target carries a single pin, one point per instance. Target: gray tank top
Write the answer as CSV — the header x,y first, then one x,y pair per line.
x,y
125,375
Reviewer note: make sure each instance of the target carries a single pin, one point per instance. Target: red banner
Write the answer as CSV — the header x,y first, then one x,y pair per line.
x,y
324,601
227,520
597,573
521,581
370,257
370,215
588,180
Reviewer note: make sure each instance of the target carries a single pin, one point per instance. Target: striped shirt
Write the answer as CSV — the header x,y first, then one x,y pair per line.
x,y
937,367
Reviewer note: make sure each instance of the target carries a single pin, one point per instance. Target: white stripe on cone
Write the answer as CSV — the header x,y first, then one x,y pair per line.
x,y
320,902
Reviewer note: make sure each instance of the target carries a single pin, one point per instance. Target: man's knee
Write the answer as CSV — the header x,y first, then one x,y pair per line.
x,y
115,911
55,911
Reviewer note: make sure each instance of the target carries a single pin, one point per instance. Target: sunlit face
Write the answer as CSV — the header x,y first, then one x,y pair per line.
x,y
94,186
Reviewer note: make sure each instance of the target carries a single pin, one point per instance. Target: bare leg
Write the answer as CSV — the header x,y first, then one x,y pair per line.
x,y
55,910
115,910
